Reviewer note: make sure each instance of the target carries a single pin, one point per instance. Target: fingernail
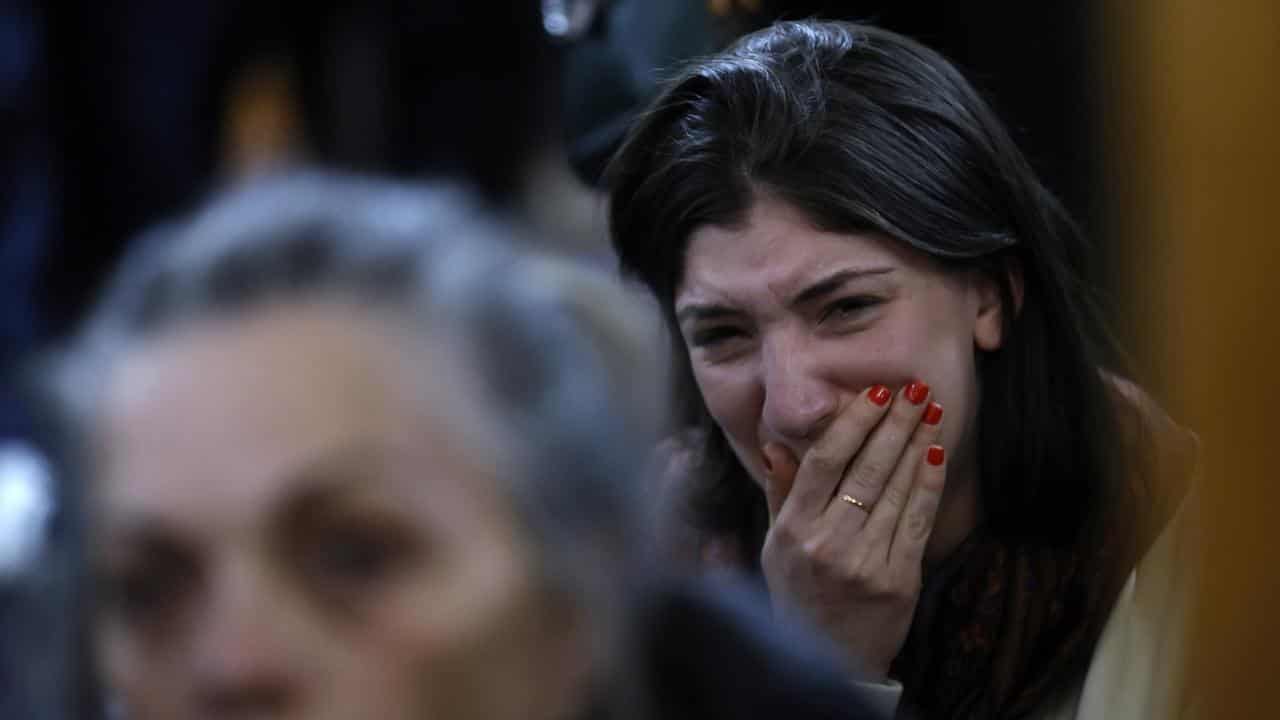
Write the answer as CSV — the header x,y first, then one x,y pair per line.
x,y
880,395
936,455
916,392
933,414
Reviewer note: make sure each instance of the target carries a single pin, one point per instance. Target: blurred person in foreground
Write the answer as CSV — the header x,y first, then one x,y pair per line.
x,y
898,391
346,454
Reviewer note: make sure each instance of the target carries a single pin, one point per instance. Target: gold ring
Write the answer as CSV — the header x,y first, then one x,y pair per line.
x,y
855,502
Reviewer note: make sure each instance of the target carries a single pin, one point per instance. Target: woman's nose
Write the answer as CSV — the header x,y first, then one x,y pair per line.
x,y
798,400
241,649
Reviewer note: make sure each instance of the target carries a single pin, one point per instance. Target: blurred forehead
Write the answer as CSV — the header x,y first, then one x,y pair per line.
x,y
236,410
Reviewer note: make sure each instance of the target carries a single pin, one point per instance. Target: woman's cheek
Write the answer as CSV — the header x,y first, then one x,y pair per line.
x,y
733,399
735,404
885,354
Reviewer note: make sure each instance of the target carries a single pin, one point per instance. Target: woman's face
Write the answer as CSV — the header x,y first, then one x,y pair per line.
x,y
297,514
785,325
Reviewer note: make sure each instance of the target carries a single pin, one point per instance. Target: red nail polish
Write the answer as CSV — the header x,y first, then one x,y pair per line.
x,y
936,455
916,392
880,395
933,414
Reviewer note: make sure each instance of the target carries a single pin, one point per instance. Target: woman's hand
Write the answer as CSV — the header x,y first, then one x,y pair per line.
x,y
855,568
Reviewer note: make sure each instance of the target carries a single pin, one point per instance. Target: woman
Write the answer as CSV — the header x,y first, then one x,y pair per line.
x,y
348,455
895,384
317,486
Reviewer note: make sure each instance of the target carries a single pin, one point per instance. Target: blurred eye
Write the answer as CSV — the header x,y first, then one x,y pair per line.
x,y
715,336
150,591
348,561
848,308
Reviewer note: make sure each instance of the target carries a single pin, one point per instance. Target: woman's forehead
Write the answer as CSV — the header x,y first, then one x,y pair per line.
x,y
779,252
268,402
305,362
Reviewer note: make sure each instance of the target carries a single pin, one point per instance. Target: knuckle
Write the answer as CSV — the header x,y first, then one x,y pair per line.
x,y
825,462
817,550
860,582
866,476
879,587
768,560
812,548
894,495
824,558
865,573
876,582
916,525
782,537
769,550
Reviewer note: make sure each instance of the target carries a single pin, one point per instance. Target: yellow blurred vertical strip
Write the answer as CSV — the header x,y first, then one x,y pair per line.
x,y
262,121
1193,133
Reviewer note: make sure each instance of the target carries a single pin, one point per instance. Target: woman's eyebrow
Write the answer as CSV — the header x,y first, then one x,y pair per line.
x,y
314,483
141,533
834,281
705,311
327,479
816,290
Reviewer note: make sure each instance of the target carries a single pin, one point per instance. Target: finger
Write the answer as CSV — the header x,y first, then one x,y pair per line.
x,y
879,455
825,462
916,523
780,476
879,529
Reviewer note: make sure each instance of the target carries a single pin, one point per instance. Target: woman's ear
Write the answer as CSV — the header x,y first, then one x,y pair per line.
x,y
988,328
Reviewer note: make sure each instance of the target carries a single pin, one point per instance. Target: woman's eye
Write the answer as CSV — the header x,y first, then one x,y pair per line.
x,y
847,308
713,336
146,594
137,593
346,560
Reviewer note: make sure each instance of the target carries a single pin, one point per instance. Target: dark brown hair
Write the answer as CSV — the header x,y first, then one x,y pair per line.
x,y
868,131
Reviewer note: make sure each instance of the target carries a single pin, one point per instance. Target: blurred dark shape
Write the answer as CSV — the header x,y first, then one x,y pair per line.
x,y
139,91
714,651
26,190
134,92
612,73
446,88
569,19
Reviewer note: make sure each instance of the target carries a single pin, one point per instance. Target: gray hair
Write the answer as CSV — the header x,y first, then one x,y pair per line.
x,y
567,358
